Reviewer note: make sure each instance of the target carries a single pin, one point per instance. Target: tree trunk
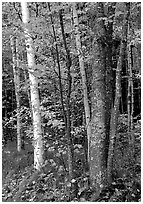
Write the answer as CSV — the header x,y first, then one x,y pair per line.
x,y
68,111
18,68
109,71
98,108
130,97
102,97
38,142
59,69
83,75
115,111
17,88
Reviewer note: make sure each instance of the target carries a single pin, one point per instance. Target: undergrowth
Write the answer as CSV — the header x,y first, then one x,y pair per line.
x,y
22,183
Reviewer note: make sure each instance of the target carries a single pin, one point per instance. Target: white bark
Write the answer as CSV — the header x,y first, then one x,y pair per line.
x,y
83,74
17,88
38,142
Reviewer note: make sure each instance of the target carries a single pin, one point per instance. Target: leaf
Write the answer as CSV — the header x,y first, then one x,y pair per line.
x,y
119,13
68,184
102,18
82,200
73,180
82,190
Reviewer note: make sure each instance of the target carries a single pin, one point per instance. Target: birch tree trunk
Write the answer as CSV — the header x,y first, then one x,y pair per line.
x,y
83,75
115,111
17,88
38,142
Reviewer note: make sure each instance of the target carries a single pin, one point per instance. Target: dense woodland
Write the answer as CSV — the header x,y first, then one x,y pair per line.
x,y
71,101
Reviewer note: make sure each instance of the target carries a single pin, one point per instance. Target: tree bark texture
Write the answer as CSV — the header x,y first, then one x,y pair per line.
x,y
37,130
115,111
98,107
83,75
17,87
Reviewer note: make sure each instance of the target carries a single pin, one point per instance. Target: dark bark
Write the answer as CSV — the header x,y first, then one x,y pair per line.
x,y
109,72
68,106
59,69
84,82
102,97
15,59
68,111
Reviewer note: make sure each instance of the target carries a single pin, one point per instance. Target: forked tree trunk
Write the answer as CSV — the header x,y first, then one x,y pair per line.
x,y
83,75
17,88
115,111
38,142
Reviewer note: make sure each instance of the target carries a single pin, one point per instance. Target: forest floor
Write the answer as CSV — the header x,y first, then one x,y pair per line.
x,y
22,183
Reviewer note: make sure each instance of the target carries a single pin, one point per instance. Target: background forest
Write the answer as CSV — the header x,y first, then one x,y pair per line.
x,y
71,101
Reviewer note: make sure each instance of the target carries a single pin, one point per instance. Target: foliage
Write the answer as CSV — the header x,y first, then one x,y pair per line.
x,y
52,181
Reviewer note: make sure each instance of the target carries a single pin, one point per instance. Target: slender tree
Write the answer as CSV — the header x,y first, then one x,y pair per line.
x,y
68,97
59,67
130,97
37,130
115,110
130,93
18,68
66,112
109,81
16,74
83,74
